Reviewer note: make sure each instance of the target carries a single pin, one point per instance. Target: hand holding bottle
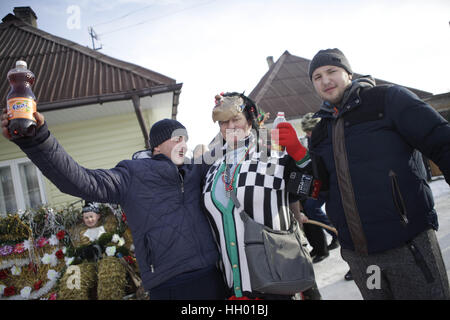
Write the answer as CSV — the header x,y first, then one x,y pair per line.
x,y
5,122
287,137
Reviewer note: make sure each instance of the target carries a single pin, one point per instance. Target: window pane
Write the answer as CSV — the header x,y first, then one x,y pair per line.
x,y
7,197
30,185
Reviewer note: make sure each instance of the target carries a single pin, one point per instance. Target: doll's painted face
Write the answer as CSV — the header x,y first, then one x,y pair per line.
x,y
90,218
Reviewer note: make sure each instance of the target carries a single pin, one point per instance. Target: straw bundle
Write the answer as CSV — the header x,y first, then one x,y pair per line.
x,y
112,279
87,283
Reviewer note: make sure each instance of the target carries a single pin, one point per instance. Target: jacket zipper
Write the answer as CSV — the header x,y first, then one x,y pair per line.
x,y
181,178
150,253
397,197
182,181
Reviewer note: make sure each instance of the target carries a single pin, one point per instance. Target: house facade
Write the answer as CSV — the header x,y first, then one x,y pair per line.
x,y
98,107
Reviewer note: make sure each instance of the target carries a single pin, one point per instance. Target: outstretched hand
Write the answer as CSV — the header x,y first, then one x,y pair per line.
x,y
287,137
5,122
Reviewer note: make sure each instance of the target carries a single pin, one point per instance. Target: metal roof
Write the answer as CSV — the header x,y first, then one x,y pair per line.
x,y
68,74
286,87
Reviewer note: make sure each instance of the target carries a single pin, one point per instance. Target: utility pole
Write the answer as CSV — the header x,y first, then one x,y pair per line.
x,y
94,37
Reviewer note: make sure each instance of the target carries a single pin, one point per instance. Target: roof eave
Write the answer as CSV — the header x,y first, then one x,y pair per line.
x,y
99,99
136,69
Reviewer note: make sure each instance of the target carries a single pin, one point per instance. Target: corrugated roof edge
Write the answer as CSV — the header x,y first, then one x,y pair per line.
x,y
140,71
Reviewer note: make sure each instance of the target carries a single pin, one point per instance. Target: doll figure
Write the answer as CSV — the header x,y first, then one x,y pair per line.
x,y
91,218
104,276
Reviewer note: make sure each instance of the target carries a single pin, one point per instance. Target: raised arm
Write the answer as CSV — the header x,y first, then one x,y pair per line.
x,y
57,165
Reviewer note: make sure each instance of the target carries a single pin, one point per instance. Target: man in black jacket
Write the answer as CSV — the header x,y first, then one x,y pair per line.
x,y
366,149
174,245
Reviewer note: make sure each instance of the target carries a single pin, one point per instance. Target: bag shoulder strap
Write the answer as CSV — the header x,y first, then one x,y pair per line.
x,y
245,217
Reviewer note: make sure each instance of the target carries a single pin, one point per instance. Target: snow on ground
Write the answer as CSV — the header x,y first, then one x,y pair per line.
x,y
330,272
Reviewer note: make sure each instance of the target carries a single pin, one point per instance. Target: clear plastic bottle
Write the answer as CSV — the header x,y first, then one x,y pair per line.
x,y
21,102
280,118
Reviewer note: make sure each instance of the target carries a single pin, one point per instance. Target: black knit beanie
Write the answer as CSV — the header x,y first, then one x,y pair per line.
x,y
329,57
162,131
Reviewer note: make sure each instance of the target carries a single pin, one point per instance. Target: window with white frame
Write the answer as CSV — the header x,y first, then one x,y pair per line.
x,y
21,186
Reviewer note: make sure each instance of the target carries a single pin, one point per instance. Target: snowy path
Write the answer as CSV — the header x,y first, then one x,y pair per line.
x,y
330,272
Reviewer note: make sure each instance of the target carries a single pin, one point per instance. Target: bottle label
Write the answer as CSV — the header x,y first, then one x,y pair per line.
x,y
21,108
277,147
275,139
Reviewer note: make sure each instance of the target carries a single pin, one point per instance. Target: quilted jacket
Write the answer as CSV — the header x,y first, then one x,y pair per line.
x,y
378,197
170,231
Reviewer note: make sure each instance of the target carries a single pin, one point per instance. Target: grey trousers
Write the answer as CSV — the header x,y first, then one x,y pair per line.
x,y
413,271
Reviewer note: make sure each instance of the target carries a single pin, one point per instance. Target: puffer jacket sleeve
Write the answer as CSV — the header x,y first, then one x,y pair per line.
x,y
57,165
421,126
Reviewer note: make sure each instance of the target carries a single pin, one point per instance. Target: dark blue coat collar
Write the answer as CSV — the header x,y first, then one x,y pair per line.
x,y
350,100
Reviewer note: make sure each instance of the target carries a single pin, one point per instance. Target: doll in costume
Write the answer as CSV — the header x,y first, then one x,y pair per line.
x,y
103,276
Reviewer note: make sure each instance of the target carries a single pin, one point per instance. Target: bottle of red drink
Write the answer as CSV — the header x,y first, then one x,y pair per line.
x,y
21,102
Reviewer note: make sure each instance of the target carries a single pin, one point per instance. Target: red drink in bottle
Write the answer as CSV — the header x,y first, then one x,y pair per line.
x,y
21,102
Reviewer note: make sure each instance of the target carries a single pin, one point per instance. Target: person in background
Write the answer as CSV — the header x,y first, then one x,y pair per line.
x,y
313,207
366,151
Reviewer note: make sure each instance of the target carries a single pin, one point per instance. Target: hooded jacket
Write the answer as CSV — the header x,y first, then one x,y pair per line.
x,y
171,233
367,153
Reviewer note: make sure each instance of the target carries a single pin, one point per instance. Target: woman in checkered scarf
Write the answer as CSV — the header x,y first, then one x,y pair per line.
x,y
252,174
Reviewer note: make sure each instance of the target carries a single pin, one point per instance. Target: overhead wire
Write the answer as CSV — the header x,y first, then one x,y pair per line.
x,y
123,16
152,19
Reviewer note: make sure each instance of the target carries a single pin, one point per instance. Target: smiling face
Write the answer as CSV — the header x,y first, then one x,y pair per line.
x,y
235,129
330,83
174,148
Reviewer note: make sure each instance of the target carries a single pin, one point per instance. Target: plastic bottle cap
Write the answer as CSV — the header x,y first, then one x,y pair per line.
x,y
21,63
280,114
